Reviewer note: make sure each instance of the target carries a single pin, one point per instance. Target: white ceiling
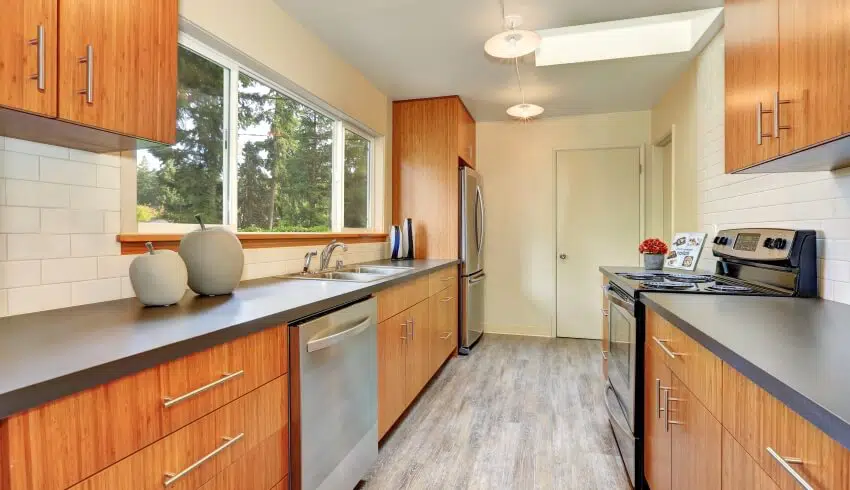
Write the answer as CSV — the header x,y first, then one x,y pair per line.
x,y
427,48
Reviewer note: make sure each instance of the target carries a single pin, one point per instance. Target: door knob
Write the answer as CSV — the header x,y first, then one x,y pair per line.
x,y
563,256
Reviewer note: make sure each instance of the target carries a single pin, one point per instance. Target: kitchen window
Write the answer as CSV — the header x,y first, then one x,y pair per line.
x,y
285,166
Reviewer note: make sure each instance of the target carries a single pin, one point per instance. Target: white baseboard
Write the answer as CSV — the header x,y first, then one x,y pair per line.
x,y
524,330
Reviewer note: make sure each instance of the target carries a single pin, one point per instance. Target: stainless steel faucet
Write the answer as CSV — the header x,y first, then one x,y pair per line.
x,y
308,257
328,251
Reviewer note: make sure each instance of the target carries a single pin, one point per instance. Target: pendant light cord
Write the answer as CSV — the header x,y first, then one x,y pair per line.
x,y
502,4
518,81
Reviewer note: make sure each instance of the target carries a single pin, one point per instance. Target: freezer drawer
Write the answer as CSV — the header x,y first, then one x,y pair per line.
x,y
472,315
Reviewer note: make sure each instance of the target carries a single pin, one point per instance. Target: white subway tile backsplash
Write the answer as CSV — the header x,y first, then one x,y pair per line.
x,y
87,292
20,166
108,177
2,192
38,298
21,273
127,288
94,245
95,198
112,222
114,266
3,253
111,159
67,172
68,270
33,148
38,246
36,194
19,220
3,301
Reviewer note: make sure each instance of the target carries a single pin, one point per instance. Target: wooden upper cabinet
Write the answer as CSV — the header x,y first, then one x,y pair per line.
x,y
129,84
28,47
466,135
812,73
752,78
425,173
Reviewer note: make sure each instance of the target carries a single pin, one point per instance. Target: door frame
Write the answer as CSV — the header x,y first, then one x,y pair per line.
x,y
641,198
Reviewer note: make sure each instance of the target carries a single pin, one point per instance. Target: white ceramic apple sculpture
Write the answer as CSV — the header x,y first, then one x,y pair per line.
x,y
158,277
214,258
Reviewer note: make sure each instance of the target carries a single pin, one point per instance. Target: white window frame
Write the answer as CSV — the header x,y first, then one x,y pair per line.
x,y
230,197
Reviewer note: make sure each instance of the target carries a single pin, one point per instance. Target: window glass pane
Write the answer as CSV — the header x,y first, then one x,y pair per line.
x,y
285,170
356,181
177,182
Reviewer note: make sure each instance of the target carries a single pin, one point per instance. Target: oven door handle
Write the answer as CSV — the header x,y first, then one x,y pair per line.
x,y
613,418
616,299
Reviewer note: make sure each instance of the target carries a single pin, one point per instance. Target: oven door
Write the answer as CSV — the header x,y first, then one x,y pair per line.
x,y
622,354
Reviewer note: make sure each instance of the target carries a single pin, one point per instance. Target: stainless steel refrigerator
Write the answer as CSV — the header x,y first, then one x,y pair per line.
x,y
472,212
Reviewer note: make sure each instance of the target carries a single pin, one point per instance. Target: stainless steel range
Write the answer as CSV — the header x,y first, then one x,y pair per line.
x,y
751,262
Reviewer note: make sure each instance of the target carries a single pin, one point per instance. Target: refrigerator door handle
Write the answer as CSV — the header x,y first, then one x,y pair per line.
x,y
475,280
480,198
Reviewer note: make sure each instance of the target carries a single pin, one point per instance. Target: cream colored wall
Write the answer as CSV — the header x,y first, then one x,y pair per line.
x,y
516,161
677,113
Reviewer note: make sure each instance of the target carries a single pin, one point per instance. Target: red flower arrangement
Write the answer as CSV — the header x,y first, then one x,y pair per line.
x,y
653,246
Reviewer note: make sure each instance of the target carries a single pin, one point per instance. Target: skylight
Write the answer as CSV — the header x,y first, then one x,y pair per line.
x,y
629,38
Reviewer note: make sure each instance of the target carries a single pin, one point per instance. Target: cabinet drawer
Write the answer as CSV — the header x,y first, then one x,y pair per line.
x,y
441,280
699,369
759,421
259,469
740,471
444,319
205,448
93,429
396,299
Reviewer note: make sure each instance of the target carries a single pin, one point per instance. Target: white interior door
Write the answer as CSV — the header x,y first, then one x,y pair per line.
x,y
598,223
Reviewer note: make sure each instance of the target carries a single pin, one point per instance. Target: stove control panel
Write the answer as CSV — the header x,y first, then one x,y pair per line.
x,y
754,243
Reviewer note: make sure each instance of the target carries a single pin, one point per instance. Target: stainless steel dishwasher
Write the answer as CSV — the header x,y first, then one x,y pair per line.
x,y
334,402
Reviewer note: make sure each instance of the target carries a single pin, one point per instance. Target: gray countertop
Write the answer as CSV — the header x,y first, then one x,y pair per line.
x,y
47,355
798,350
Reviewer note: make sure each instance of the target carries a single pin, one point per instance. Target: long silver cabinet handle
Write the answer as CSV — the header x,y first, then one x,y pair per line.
x,y
88,59
667,421
760,112
169,402
776,103
786,465
406,327
38,42
666,349
172,478
658,389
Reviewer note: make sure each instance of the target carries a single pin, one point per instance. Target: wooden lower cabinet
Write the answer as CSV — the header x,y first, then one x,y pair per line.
x,y
657,437
234,431
739,470
413,343
259,469
695,441
605,344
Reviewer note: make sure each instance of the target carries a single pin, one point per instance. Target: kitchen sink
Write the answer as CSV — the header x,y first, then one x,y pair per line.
x,y
353,273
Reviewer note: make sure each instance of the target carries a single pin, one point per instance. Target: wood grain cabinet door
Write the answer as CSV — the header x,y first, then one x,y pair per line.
x,y
812,71
657,440
752,78
28,47
466,135
739,470
418,369
393,336
696,441
129,86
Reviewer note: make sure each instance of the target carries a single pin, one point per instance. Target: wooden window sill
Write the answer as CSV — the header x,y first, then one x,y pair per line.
x,y
134,243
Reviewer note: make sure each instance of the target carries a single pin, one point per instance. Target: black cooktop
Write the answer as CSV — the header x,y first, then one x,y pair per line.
x,y
694,283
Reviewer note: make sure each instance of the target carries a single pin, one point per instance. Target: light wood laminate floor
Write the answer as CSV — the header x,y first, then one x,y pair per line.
x,y
519,413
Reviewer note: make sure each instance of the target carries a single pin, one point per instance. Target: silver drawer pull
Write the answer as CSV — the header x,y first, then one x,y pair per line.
x,y
170,402
38,42
667,421
786,465
604,355
604,312
661,343
447,299
172,478
446,336
447,278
